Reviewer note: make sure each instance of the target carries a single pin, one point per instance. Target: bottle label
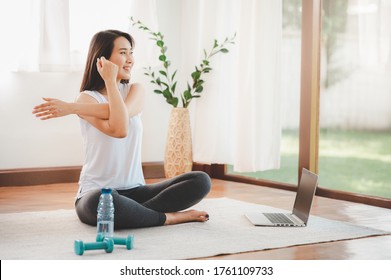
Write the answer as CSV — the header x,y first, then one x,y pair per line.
x,y
106,228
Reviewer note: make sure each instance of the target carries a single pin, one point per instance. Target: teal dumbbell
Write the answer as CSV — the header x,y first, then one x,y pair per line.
x,y
107,244
128,241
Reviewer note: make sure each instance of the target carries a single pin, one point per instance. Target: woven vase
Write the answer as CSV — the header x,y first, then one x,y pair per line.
x,y
178,157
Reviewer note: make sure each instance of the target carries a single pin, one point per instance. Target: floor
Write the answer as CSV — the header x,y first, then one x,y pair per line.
x,y
61,196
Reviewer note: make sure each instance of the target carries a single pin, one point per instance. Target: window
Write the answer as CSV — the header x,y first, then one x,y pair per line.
x,y
355,108
355,94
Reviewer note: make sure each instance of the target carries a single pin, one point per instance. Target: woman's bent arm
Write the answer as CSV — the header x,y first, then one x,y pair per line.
x,y
101,124
118,122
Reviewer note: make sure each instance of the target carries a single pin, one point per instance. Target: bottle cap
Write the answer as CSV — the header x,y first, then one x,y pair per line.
x,y
106,190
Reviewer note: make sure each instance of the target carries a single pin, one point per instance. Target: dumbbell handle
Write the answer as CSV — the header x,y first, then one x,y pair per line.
x,y
128,241
107,244
96,246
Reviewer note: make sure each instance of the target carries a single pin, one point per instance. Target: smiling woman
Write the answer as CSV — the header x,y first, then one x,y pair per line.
x,y
109,108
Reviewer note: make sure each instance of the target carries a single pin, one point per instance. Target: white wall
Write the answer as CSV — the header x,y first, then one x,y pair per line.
x,y
28,142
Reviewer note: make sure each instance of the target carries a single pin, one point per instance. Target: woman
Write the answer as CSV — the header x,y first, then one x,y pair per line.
x,y
109,108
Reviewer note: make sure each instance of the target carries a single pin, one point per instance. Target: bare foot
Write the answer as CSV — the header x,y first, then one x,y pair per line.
x,y
186,216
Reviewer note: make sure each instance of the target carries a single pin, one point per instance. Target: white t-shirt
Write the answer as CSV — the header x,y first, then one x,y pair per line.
x,y
109,161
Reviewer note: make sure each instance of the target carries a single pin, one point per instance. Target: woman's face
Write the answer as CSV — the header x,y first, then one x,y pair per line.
x,y
122,56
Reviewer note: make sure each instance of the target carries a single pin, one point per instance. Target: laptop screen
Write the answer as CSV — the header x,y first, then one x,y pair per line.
x,y
305,195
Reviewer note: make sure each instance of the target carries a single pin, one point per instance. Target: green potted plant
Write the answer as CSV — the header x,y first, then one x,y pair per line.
x,y
178,155
165,81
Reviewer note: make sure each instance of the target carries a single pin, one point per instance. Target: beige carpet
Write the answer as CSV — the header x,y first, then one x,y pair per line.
x,y
50,235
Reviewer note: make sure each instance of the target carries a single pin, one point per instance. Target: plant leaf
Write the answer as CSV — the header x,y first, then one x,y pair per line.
x,y
162,57
187,95
173,87
163,73
199,89
198,83
196,75
160,43
165,84
167,94
173,101
173,75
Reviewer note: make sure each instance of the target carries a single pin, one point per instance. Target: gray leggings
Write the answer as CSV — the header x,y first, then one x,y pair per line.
x,y
145,206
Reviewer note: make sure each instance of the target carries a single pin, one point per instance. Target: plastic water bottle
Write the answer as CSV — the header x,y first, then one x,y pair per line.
x,y
105,219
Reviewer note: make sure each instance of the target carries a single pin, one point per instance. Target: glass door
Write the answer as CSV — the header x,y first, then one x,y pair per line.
x,y
355,100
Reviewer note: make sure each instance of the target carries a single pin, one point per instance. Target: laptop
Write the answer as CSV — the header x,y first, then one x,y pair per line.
x,y
301,208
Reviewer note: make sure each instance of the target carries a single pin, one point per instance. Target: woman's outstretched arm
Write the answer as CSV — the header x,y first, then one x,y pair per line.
x,y
55,108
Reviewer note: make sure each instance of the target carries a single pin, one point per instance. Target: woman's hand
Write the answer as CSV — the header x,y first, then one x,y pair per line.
x,y
52,108
107,70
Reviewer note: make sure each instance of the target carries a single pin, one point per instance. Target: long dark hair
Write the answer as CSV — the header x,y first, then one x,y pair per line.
x,y
102,44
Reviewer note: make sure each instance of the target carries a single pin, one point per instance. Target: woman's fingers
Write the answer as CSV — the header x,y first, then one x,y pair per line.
x,y
44,113
47,103
98,64
44,116
106,68
40,108
47,110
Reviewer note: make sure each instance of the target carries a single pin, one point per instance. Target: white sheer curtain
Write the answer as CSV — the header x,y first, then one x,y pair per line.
x,y
19,22
41,28
54,35
237,120
54,52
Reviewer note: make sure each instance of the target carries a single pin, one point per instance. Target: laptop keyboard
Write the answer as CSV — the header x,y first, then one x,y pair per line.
x,y
278,218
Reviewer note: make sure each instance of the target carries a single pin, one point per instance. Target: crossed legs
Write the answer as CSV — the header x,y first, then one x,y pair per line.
x,y
154,204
